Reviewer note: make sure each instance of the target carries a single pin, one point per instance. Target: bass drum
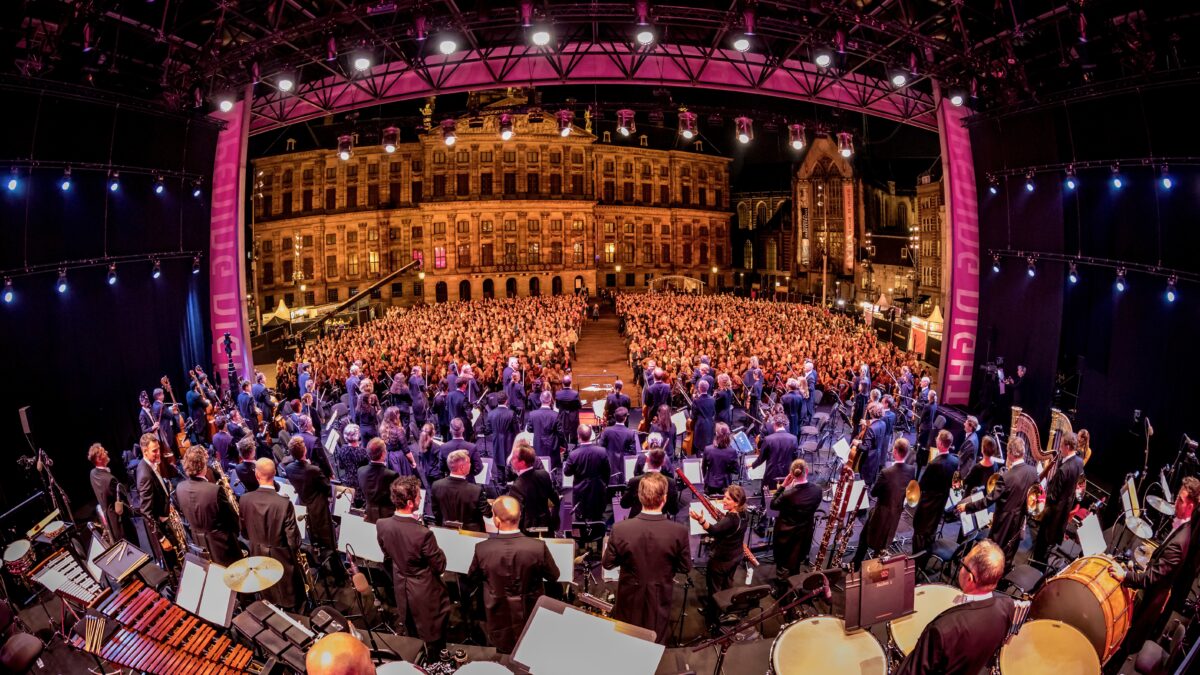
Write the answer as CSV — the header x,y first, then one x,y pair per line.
x,y
929,601
1048,648
1088,595
821,645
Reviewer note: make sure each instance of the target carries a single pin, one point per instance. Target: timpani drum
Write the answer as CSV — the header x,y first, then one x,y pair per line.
x,y
1047,647
1088,595
821,645
929,600
18,557
399,668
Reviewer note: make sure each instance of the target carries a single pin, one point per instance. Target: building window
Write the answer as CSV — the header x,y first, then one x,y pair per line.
x,y
268,272
556,253
577,225
331,174
610,252
417,192
510,253
664,195
510,156
418,289
510,183
577,253
439,257
748,255
419,255
627,252
531,157
286,203
416,166
510,225
352,237
577,158
373,262
331,266
663,172
608,166
439,227
665,254
703,254
687,254
393,234
576,184
351,196
647,193
628,168
485,183
352,172
439,186
397,289
609,191
628,226
555,184
463,185
463,226
485,156
535,225
331,295
687,229
703,232
720,260
352,265
486,257
418,232
703,196
268,246
610,227
306,203
331,240
308,267
533,183
394,168
464,255
306,241
270,301
485,227
372,172
647,229
686,194
556,158
439,157
648,253
372,235
535,253
627,193
330,198
462,156
556,225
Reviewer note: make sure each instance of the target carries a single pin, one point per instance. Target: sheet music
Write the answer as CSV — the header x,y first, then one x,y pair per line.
x,y
630,466
754,473
191,585
1091,536
287,490
216,603
842,449
855,490
975,521
341,503
692,469
568,481
458,545
593,645
742,442
563,552
679,419
94,551
482,476
361,536
331,442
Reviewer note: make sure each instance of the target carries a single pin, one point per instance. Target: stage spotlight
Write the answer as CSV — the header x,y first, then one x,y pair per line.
x,y
449,134
159,185
1165,180
625,122
823,59
196,265
845,144
13,180
391,137
742,43
1170,289
796,136
1031,267
1116,177
362,63
285,83
1071,182
1073,274
1121,279
645,37
225,103
565,119
993,187
957,99
61,284
156,271
1029,182
506,126
447,45
899,80
745,129
112,274
196,192
65,184
9,294
540,36
995,263
345,147
687,124
114,181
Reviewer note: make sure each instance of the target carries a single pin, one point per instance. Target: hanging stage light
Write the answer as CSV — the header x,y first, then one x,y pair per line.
x,y
65,184
196,192
61,284
687,124
565,119
1031,267
995,262
447,44
449,134
899,79
114,181
506,126
796,136
9,294
540,36
957,98
156,271
159,185
1071,182
1073,274
1165,179
1029,181
625,122
745,129
645,36
823,59
742,43
362,62
112,274
1117,182
196,265
1121,279
1171,288
993,187
345,147
285,82
845,144
225,103
391,137
13,180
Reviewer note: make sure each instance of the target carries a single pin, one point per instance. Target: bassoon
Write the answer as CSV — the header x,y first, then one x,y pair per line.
x,y
712,511
841,498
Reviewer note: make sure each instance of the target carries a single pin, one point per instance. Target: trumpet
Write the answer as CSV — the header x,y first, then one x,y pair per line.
x,y
912,494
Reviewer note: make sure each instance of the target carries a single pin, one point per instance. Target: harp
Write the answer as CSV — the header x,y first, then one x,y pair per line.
x,y
1060,425
1024,428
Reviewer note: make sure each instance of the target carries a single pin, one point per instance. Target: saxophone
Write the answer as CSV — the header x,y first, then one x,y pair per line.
x,y
223,483
178,537
302,561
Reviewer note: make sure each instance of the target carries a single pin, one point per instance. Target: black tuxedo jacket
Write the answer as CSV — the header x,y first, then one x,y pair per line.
x,y
935,490
1009,517
650,551
460,501
888,492
794,526
269,524
375,481
211,518
962,640
312,489
539,501
514,571
417,565
629,499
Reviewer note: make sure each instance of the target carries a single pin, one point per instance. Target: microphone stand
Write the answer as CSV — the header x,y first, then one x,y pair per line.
x,y
1149,431
362,610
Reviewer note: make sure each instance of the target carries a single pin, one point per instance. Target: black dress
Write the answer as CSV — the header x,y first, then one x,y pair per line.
x,y
725,551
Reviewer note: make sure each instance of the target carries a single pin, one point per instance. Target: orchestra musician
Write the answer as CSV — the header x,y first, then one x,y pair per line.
x,y
153,494
269,524
513,571
514,390
658,394
874,443
534,489
1064,474
588,464
862,391
704,416
244,470
810,376
616,399
650,550
655,463
664,426
968,451
375,480
720,463
793,406
928,415
544,424
222,441
352,383
889,492
416,564
1008,521
797,502
723,402
502,425
458,429
457,499
210,516
725,553
458,404
420,404
752,383
312,490
247,408
963,639
619,442
118,523
935,490
316,453
569,405
777,451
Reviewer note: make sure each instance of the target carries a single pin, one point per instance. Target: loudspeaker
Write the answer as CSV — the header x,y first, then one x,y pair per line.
x,y
24,412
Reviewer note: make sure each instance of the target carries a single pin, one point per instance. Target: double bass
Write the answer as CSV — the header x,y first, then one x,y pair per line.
x,y
181,439
210,414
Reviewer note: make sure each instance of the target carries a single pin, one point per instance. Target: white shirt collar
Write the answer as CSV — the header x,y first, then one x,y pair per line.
x,y
103,468
508,531
522,471
1017,462
1177,523
410,516
267,487
966,598
454,475
648,512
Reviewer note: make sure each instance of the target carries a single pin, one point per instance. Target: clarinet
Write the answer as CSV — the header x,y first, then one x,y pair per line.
x,y
712,511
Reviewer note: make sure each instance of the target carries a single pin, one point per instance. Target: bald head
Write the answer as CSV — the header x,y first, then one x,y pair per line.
x,y
506,511
339,654
264,471
982,568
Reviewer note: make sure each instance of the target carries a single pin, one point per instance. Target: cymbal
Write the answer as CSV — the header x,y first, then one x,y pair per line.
x,y
253,574
1161,505
1140,528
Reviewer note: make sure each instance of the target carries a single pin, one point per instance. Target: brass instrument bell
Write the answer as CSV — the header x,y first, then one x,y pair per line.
x,y
990,488
956,481
912,493
1035,501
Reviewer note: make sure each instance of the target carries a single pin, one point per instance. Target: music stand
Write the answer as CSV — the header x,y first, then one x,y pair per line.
x,y
884,590
557,633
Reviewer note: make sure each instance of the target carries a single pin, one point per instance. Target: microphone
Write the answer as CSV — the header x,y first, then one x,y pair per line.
x,y
828,591
361,586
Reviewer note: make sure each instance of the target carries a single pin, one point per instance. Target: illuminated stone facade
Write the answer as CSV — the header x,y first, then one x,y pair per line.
x,y
538,214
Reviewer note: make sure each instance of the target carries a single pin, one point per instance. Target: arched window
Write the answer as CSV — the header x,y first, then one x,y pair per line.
x,y
440,292
761,214
464,290
489,289
510,287
744,221
556,286
772,249
748,255
535,286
